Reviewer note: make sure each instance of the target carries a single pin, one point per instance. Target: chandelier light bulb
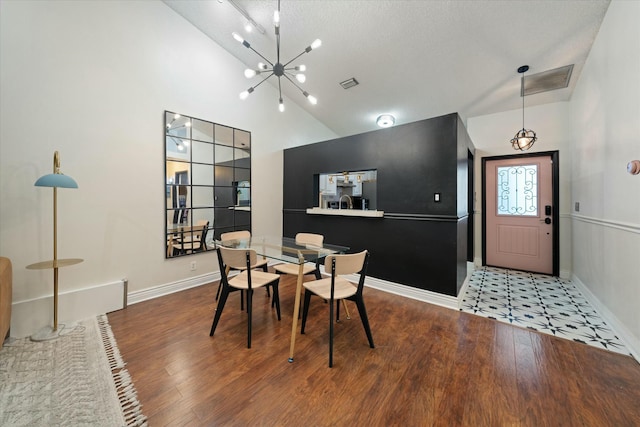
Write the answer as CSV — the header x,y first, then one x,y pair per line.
x,y
312,99
276,18
281,106
238,37
245,94
301,67
248,27
316,44
262,66
249,73
301,78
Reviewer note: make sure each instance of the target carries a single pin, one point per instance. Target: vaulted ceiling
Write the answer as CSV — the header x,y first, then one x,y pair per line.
x,y
414,59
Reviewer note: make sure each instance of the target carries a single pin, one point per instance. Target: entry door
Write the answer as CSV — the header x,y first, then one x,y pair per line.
x,y
519,212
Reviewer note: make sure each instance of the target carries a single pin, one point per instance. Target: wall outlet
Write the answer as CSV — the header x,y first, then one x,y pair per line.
x,y
577,207
193,265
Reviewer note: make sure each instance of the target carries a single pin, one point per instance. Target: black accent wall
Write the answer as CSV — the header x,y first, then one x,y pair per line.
x,y
419,242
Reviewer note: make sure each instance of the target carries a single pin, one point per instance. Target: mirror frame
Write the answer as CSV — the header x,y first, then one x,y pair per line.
x,y
207,172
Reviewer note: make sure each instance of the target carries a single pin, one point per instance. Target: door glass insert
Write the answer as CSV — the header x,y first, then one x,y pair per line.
x,y
517,190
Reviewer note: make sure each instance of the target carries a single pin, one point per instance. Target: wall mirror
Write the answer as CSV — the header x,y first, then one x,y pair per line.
x,y
207,182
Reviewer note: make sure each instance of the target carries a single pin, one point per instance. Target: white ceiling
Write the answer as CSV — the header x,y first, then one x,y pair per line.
x,y
414,59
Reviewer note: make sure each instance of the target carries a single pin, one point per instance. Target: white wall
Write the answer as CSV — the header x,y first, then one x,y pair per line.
x,y
605,119
491,135
91,80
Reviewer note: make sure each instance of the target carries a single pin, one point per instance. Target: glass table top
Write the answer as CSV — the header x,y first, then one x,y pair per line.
x,y
284,248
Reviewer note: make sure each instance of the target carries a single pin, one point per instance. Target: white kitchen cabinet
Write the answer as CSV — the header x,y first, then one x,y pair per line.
x,y
357,189
328,185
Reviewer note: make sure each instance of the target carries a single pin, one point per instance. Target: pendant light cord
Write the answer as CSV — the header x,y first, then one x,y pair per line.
x,y
522,92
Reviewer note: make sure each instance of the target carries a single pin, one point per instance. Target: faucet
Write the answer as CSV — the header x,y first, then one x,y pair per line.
x,y
348,199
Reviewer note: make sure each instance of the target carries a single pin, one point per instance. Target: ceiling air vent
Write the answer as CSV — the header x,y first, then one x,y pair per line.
x,y
349,83
548,80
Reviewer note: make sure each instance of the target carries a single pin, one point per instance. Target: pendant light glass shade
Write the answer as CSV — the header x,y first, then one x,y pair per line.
x,y
524,138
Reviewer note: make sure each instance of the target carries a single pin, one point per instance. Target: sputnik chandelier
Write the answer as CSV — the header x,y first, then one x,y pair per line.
x,y
524,138
278,69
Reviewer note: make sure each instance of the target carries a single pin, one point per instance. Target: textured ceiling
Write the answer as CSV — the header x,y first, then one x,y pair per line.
x,y
413,59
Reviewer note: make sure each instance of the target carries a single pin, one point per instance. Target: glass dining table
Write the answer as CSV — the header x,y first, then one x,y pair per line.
x,y
286,249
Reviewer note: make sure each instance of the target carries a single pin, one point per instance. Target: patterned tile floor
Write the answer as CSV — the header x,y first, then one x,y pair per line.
x,y
544,303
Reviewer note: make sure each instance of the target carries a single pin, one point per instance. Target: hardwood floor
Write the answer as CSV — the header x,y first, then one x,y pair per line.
x,y
432,366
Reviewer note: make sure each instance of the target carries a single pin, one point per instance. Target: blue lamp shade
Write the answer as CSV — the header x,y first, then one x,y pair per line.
x,y
56,180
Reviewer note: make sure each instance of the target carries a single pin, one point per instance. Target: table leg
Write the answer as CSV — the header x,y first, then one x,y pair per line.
x,y
296,307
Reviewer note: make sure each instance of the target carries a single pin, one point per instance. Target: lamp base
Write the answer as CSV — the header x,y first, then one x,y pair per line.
x,y
47,333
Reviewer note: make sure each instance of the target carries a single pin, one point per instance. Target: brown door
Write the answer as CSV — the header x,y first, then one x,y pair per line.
x,y
519,213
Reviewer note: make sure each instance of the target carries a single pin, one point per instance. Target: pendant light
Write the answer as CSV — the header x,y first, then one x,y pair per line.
x,y
524,138
278,69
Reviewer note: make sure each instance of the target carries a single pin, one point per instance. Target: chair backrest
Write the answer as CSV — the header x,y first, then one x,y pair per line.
x,y
309,239
346,263
203,236
233,235
236,258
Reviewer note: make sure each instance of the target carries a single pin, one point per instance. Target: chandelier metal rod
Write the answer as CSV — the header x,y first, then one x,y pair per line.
x,y
277,31
294,83
302,53
260,55
263,80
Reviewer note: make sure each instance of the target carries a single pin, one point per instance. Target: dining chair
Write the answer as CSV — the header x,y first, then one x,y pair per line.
x,y
245,234
260,263
337,287
192,239
308,268
247,280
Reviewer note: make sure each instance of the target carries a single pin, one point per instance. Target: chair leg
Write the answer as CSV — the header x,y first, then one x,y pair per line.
x,y
265,268
365,320
331,333
218,311
276,298
305,310
218,292
249,300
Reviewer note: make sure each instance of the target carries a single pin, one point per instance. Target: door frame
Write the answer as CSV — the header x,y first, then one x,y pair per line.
x,y
555,174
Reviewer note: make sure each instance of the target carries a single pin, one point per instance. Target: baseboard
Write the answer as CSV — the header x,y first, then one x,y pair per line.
x,y
29,316
430,297
411,292
629,340
169,288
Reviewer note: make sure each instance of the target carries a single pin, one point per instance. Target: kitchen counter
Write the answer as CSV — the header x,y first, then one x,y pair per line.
x,y
345,212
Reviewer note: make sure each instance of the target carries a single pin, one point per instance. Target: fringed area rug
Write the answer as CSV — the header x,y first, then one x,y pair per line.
x,y
78,379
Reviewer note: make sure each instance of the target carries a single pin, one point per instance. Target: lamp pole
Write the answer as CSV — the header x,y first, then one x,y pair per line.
x,y
54,180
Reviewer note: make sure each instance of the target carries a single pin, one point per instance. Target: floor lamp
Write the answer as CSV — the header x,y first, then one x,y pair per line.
x,y
55,180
